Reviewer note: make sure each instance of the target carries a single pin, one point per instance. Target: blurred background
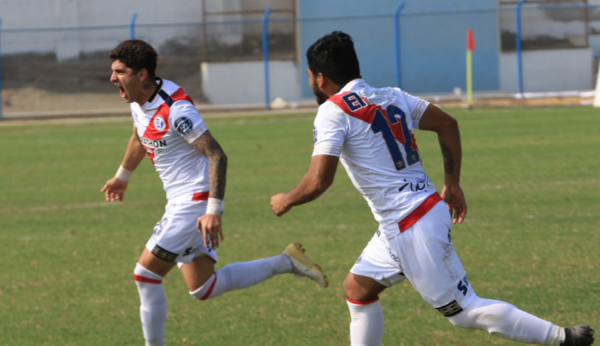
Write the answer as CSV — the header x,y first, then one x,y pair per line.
x,y
54,53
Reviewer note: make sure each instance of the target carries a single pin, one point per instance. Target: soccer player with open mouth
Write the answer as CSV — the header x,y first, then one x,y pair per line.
x,y
192,166
370,130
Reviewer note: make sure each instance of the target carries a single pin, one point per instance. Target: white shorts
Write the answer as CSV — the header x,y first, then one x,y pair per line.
x,y
423,254
175,237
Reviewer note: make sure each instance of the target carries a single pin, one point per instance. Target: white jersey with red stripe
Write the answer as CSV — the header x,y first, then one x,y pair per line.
x,y
167,124
371,131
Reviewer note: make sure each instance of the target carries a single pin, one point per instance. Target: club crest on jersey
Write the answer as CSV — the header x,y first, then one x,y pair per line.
x,y
159,123
184,125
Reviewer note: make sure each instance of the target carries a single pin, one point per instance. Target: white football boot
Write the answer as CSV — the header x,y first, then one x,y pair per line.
x,y
303,266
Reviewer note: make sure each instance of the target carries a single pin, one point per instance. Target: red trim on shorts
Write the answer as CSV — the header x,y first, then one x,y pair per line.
x,y
145,279
418,213
362,303
210,289
200,196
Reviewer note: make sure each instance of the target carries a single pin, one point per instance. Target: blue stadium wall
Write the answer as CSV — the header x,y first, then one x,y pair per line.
x,y
432,46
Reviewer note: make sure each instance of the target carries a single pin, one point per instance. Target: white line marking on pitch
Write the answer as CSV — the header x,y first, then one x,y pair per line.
x,y
526,217
72,206
524,185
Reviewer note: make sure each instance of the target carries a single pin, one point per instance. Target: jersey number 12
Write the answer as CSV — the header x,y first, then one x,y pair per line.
x,y
394,129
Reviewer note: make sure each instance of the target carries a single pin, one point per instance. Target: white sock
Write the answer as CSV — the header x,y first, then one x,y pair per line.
x,y
153,307
366,328
243,274
556,336
506,321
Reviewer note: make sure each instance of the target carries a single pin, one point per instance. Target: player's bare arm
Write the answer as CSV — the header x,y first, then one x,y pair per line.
x,y
317,180
114,189
434,119
209,224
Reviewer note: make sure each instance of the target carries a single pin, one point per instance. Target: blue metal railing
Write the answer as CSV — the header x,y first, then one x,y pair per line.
x,y
132,26
265,37
518,41
397,37
397,15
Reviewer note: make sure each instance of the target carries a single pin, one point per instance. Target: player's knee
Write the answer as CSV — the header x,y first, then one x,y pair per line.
x,y
462,320
206,290
354,291
350,289
467,318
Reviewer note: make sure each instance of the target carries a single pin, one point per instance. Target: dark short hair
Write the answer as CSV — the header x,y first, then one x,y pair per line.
x,y
334,56
136,54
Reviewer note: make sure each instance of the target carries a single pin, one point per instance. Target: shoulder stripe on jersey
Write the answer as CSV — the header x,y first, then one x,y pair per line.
x,y
168,100
176,96
181,95
361,109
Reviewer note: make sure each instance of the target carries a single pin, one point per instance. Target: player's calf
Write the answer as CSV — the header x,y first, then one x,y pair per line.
x,y
241,275
245,274
153,307
507,321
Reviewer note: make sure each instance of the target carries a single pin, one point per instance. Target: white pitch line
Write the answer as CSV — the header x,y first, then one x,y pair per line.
x,y
74,206
525,185
526,217
265,197
49,208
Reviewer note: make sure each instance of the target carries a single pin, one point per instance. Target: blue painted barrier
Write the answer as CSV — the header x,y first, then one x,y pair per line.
x,y
265,32
132,26
397,36
518,39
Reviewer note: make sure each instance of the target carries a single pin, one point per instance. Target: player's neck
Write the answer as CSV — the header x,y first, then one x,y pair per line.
x,y
147,91
331,89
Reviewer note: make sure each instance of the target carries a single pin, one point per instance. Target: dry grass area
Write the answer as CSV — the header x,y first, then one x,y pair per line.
x,y
32,102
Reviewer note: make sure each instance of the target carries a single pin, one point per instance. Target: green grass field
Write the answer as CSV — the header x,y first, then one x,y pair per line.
x,y
531,178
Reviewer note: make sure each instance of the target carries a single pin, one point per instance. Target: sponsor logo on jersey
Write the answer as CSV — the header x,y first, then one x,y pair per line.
x,y
159,123
184,125
157,143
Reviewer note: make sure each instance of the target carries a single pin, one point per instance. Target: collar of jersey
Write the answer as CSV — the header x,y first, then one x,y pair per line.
x,y
351,84
160,84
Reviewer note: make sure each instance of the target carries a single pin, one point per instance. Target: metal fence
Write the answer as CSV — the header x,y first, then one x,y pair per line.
x,y
66,68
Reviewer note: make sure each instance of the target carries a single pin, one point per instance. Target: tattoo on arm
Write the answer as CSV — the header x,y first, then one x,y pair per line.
x,y
208,146
448,159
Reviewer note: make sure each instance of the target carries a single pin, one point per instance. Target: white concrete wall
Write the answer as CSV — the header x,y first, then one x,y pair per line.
x,y
548,70
76,13
243,82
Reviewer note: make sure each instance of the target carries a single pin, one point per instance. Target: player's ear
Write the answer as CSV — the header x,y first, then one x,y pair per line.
x,y
321,80
143,74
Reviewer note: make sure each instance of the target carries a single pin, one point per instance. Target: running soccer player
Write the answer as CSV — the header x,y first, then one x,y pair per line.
x,y
370,131
192,166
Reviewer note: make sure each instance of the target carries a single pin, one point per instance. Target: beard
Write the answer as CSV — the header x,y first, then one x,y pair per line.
x,y
319,94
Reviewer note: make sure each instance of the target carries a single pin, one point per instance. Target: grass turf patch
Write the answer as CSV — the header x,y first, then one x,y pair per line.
x,y
530,238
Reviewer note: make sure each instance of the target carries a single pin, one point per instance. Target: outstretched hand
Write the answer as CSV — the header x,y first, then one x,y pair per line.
x,y
455,200
210,227
114,190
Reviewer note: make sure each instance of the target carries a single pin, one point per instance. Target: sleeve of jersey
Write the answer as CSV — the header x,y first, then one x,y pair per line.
x,y
330,130
186,121
417,107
